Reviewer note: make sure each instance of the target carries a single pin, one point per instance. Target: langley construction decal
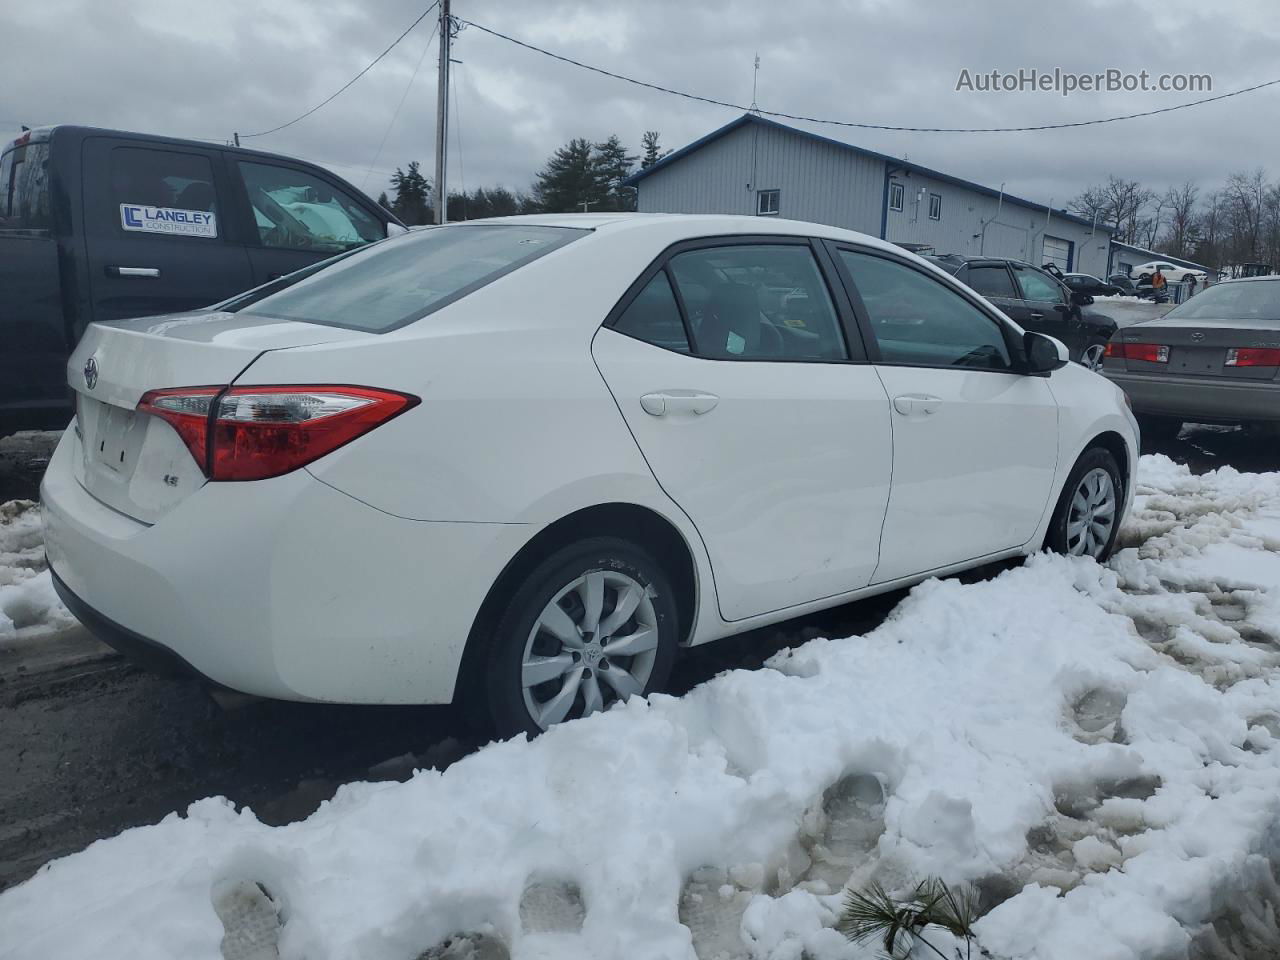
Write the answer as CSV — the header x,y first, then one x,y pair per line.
x,y
187,223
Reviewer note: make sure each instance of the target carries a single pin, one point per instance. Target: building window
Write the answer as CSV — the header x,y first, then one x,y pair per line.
x,y
767,202
895,196
935,206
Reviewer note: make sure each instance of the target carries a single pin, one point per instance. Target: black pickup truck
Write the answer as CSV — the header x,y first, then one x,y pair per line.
x,y
102,225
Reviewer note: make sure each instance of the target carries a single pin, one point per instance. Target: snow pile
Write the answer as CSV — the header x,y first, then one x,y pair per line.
x,y
1096,749
28,604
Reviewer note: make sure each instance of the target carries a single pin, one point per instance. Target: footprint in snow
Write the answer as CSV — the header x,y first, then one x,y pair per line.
x,y
1096,714
552,906
250,920
711,906
852,824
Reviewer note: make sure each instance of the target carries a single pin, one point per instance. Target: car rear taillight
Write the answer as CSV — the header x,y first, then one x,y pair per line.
x,y
1150,352
252,433
1253,357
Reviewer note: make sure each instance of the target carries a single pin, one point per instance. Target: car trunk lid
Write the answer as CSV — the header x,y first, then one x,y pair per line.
x,y
136,463
1200,348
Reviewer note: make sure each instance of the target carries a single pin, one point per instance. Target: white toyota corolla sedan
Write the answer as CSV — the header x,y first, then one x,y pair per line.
x,y
522,462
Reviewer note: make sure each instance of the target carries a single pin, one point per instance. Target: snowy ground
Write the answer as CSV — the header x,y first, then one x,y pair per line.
x,y
1097,749
1127,310
28,606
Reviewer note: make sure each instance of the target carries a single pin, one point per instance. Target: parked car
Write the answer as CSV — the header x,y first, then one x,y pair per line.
x,y
1126,286
1213,359
1088,284
1037,301
103,225
521,462
1173,274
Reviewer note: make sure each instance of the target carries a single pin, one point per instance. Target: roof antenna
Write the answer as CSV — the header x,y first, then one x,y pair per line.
x,y
755,83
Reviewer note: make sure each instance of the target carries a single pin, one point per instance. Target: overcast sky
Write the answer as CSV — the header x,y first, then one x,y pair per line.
x,y
208,68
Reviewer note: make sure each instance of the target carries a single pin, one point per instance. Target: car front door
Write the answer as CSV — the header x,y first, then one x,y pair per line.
x,y
974,442
298,217
1049,308
157,234
733,366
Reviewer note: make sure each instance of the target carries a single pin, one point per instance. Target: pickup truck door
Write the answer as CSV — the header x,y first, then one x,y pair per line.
x,y
158,234
297,217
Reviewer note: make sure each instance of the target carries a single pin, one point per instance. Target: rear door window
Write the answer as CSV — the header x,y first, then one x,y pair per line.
x,y
404,279
164,192
295,210
654,316
24,188
992,280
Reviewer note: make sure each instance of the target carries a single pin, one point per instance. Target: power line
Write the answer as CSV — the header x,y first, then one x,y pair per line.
x,y
404,96
246,136
850,123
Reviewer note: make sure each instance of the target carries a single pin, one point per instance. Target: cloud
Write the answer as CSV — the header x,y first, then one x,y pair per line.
x,y
206,70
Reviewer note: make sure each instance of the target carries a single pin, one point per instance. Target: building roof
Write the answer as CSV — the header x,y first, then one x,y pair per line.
x,y
905,165
1157,255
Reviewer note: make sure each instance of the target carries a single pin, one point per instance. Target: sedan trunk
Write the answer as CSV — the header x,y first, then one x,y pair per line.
x,y
136,463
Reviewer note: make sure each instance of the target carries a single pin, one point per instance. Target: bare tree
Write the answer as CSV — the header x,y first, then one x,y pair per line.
x,y
1245,195
1181,202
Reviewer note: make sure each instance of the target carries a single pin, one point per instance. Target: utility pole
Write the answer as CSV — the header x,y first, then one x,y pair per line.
x,y
442,116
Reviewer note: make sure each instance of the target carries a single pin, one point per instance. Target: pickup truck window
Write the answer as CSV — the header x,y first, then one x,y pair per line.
x,y
163,191
24,188
298,211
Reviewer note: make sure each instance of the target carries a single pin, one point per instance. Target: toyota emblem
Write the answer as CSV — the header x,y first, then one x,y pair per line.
x,y
1197,336
91,373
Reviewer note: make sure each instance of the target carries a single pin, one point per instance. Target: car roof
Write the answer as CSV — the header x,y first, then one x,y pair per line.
x,y
694,225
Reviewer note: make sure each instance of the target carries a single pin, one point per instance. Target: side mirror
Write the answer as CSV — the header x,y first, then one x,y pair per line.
x,y
1080,298
394,229
1044,354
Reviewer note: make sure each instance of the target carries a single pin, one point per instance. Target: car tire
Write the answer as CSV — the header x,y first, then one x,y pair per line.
x,y
1159,429
1085,521
1144,278
545,664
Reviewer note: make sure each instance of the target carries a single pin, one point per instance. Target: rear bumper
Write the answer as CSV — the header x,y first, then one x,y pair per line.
x,y
282,588
1204,400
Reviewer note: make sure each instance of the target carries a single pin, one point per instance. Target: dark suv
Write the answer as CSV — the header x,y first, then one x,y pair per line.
x,y
1036,300
102,225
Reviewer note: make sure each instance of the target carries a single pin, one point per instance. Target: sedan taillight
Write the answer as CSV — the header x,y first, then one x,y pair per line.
x,y
252,433
1253,357
1150,352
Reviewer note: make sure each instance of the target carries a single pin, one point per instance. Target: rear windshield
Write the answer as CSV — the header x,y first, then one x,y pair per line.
x,y
398,281
1243,300
24,188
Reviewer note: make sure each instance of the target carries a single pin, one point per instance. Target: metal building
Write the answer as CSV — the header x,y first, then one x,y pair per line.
x,y
759,166
1126,256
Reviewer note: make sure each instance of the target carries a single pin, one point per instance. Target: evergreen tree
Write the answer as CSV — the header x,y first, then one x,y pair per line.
x,y
652,152
413,196
570,179
612,165
383,202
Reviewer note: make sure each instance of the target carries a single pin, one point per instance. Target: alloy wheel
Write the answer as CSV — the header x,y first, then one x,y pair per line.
x,y
1092,356
1091,515
594,643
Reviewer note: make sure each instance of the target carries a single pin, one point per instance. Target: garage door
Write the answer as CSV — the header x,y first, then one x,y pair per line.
x,y
1057,251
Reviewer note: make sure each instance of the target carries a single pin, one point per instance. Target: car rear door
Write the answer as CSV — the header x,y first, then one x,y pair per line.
x,y
158,238
1049,309
975,444
994,281
758,414
298,216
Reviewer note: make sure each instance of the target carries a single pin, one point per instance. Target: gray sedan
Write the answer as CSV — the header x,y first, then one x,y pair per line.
x,y
1213,359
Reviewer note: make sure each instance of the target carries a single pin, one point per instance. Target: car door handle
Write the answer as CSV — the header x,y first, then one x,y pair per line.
x,y
1035,316
668,402
114,271
916,404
